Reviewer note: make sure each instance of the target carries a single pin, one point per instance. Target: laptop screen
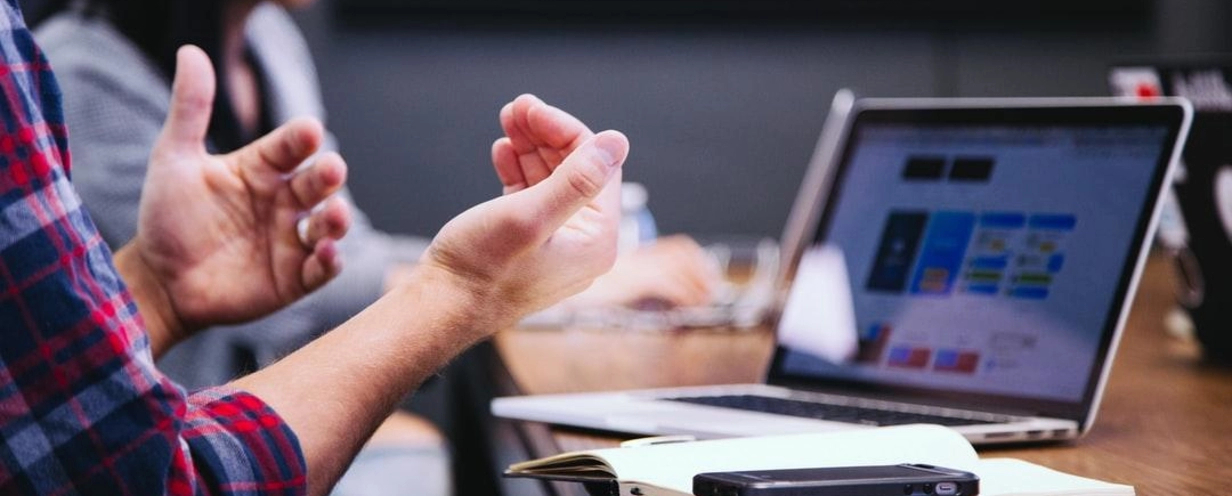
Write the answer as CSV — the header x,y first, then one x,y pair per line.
x,y
984,255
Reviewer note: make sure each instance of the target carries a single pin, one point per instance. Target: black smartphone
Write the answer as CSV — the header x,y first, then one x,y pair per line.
x,y
873,480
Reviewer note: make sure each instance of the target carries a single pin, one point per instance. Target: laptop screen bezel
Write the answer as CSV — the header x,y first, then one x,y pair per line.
x,y
1169,113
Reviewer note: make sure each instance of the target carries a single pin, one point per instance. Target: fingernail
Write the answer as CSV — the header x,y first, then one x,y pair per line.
x,y
612,147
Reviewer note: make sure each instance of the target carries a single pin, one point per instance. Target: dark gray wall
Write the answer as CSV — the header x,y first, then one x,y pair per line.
x,y
722,118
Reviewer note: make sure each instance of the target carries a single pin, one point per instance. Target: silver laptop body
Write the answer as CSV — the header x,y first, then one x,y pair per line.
x,y
963,262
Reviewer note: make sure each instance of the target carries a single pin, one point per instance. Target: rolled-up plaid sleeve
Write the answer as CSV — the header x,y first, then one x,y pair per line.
x,y
234,434
83,410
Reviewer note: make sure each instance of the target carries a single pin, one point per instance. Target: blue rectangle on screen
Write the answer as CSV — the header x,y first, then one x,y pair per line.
x,y
984,289
1053,222
1055,262
946,359
990,263
900,354
1002,220
1030,292
945,247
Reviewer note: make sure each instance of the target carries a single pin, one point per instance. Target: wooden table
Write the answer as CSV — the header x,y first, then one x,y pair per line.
x,y
1165,425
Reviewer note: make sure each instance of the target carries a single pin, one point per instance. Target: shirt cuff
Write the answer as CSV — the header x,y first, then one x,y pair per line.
x,y
236,439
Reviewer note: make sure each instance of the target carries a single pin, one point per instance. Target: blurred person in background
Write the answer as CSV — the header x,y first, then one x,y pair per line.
x,y
114,60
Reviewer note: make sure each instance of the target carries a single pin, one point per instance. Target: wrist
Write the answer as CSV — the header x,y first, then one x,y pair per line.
x,y
154,303
397,276
463,302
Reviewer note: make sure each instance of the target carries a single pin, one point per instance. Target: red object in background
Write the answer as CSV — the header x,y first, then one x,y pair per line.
x,y
1148,91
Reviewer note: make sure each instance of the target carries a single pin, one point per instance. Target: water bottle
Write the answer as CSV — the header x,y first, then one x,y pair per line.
x,y
637,225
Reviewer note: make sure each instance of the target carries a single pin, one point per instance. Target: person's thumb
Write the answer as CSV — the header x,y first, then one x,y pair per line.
x,y
579,180
192,99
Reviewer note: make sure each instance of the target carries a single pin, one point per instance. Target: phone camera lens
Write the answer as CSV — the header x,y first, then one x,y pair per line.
x,y
928,488
908,489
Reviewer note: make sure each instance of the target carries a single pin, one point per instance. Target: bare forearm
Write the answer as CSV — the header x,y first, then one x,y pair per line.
x,y
337,390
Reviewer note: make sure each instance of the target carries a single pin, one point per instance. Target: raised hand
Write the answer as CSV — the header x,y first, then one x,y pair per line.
x,y
486,269
555,229
217,236
674,271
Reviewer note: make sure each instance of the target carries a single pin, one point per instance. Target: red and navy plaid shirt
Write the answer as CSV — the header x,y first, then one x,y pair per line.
x,y
82,408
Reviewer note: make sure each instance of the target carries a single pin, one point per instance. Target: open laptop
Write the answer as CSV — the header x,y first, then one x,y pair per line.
x,y
968,263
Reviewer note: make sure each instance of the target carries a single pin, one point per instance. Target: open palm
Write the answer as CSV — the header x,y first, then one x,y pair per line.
x,y
219,232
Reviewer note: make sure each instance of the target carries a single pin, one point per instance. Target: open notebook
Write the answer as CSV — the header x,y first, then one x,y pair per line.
x,y
668,469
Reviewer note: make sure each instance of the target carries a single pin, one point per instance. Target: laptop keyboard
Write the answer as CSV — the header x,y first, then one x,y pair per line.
x,y
825,411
